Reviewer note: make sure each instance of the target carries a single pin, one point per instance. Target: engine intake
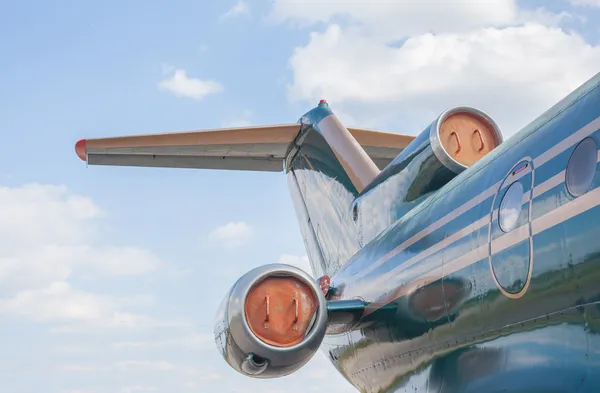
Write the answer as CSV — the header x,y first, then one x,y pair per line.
x,y
461,136
271,322
453,142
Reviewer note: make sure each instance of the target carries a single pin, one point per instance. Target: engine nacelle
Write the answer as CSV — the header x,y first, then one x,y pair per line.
x,y
454,141
271,322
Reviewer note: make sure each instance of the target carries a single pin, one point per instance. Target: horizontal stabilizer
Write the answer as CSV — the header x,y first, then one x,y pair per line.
x,y
259,148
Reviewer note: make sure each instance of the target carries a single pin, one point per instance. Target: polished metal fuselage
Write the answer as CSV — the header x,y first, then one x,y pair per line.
x,y
458,305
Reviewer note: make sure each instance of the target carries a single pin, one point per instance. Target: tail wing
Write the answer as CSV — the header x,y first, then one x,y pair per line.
x,y
260,148
321,187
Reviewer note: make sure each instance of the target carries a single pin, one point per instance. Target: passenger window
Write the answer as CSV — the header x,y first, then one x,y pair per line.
x,y
510,207
581,167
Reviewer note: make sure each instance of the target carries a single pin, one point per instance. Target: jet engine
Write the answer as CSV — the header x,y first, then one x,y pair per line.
x,y
453,142
271,322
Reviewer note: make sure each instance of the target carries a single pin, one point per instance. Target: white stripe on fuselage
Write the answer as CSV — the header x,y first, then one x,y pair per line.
x,y
539,225
476,225
543,158
569,141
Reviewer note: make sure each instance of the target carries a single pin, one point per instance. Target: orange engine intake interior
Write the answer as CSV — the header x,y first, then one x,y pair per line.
x,y
467,137
280,309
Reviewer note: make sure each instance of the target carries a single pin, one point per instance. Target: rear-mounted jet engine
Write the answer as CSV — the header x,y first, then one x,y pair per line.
x,y
271,322
453,142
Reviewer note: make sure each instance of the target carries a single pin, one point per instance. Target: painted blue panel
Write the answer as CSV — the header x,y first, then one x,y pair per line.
x,y
441,324
511,267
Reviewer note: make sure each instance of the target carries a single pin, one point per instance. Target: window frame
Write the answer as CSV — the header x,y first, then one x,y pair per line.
x,y
569,168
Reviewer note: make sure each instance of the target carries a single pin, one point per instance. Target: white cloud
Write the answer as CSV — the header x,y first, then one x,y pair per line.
x,y
456,53
544,17
232,235
59,303
240,8
48,214
48,234
396,19
594,3
183,86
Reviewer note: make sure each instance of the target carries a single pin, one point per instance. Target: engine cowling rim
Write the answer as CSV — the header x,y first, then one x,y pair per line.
x,y
434,135
320,321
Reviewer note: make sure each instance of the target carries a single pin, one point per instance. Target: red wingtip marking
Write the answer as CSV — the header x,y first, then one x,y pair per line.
x,y
81,150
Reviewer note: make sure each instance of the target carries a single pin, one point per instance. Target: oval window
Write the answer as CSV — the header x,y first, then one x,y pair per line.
x,y
582,167
510,207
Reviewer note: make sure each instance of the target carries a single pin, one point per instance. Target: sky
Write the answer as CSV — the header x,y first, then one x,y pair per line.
x,y
110,277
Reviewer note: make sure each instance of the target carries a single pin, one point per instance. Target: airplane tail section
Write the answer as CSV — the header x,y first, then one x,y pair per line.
x,y
327,166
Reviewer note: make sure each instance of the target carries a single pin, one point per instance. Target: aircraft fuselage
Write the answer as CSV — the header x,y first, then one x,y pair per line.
x,y
460,302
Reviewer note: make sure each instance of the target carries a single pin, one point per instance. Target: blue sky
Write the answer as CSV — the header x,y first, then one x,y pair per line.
x,y
110,277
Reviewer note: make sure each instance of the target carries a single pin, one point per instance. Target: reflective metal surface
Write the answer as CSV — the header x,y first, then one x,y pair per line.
x,y
419,171
322,193
244,350
434,135
454,303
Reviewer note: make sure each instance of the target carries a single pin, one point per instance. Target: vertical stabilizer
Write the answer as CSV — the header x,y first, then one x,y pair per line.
x,y
353,158
327,168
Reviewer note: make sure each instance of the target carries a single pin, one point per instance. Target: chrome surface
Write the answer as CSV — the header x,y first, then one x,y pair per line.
x,y
434,135
248,354
419,171
454,304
